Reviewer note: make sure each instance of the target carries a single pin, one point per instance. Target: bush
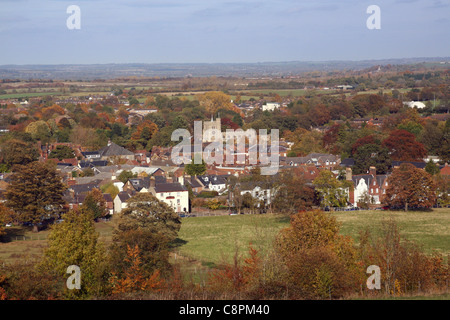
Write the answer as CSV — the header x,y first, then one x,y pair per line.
x,y
208,194
404,267
320,263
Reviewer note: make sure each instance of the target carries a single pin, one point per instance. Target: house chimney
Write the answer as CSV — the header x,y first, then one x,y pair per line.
x,y
373,171
348,174
181,180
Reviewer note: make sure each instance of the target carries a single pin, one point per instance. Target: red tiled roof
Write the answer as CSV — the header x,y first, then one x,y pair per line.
x,y
445,170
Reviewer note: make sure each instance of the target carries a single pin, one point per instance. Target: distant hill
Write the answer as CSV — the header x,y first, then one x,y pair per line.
x,y
109,71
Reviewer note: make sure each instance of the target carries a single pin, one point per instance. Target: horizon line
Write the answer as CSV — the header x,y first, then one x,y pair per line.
x,y
218,63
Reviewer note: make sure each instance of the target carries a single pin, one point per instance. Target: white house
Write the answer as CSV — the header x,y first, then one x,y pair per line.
x,y
120,201
175,195
270,106
258,192
371,184
415,104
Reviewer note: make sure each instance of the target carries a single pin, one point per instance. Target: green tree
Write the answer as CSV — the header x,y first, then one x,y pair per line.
x,y
111,189
125,175
62,152
95,203
75,241
35,193
180,123
332,192
432,168
371,155
194,169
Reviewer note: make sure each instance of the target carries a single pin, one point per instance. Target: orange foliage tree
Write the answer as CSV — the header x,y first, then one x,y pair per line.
x,y
236,277
410,188
145,130
403,146
319,262
134,278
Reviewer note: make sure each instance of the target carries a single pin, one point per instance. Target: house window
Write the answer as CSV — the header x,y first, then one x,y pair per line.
x,y
376,190
162,194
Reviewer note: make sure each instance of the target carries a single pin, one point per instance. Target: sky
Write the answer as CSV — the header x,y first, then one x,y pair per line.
x,y
220,31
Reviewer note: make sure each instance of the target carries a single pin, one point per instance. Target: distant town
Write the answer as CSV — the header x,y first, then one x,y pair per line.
x,y
99,153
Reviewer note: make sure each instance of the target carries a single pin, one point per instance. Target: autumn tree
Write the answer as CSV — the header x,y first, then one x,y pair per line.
x,y
308,142
151,225
87,137
330,139
404,266
292,194
35,192
319,261
241,276
444,151
369,139
6,216
75,241
410,188
49,112
403,146
144,131
215,100
39,130
442,183
134,278
16,151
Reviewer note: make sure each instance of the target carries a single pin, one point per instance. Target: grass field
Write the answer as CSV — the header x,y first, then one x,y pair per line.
x,y
211,240
215,239
27,95
431,229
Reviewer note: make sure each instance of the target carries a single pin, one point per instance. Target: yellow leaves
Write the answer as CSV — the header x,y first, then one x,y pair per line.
x,y
213,101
